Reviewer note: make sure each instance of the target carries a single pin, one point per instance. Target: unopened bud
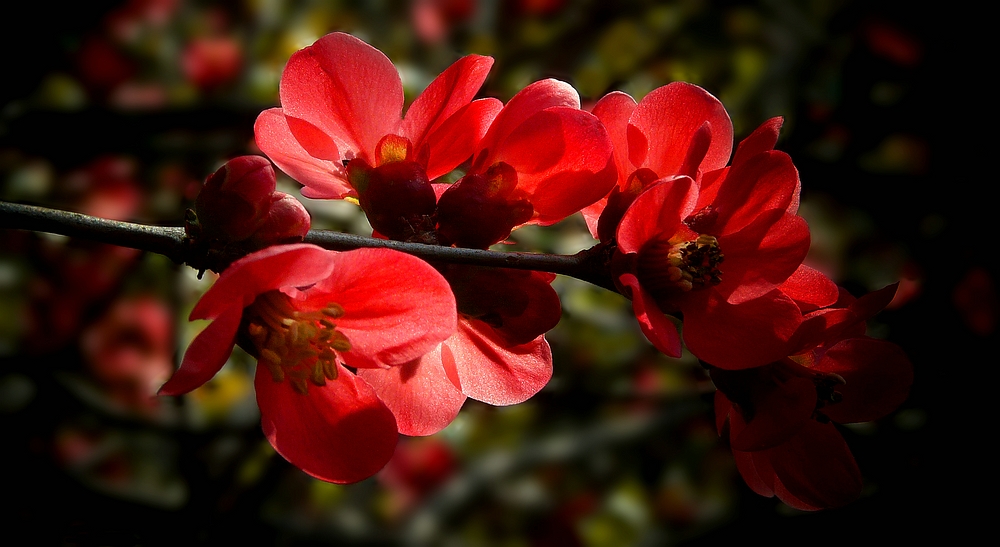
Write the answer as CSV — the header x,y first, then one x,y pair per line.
x,y
235,199
286,221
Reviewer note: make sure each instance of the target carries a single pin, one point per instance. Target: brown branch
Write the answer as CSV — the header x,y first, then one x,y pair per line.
x,y
589,265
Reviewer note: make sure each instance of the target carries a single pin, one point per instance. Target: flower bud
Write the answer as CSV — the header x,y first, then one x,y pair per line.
x,y
235,199
287,221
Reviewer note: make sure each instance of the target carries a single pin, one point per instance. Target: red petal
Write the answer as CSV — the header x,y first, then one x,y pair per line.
x,y
529,101
656,325
778,413
817,467
657,212
347,89
790,499
396,306
870,304
810,289
266,270
454,141
761,256
207,353
340,432
761,140
419,393
563,161
614,110
755,467
323,178
878,376
669,116
496,374
766,182
740,336
452,90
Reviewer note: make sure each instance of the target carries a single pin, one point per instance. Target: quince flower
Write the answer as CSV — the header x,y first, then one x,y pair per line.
x,y
781,415
307,314
716,251
341,102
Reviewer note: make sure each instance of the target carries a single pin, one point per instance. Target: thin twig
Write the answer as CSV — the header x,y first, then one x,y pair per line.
x,y
589,265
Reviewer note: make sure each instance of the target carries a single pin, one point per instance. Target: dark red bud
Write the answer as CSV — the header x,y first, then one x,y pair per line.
x,y
287,221
235,199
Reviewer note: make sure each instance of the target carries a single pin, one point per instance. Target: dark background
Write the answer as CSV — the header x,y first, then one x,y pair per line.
x,y
885,118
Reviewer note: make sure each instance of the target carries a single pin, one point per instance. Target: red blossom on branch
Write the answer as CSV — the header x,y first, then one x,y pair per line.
x,y
342,100
716,252
781,415
306,314
542,160
677,129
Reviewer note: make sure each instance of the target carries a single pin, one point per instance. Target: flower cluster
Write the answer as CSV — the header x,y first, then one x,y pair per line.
x,y
357,347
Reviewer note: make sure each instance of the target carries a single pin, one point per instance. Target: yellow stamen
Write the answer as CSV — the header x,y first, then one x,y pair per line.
x,y
296,345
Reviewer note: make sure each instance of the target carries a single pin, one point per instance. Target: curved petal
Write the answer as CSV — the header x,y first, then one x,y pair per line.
x,y
740,336
657,212
658,328
756,471
318,168
496,374
330,85
207,353
614,110
454,141
764,183
340,432
452,90
562,157
878,376
419,393
810,289
761,140
754,467
761,256
669,116
269,269
532,99
396,306
779,411
817,467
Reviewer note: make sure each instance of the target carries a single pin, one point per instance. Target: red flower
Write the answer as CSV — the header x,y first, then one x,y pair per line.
x,y
542,160
716,252
780,415
303,311
341,100
677,129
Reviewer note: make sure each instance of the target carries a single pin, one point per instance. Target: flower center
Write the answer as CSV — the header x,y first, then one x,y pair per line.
x,y
298,346
666,266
